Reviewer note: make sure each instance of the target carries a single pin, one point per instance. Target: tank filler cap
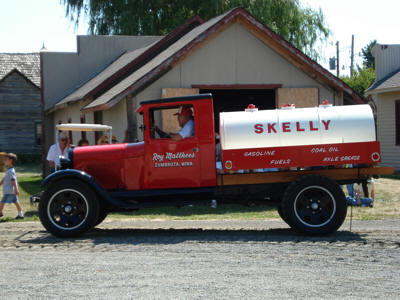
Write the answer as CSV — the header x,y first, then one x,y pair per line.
x,y
325,103
288,106
251,108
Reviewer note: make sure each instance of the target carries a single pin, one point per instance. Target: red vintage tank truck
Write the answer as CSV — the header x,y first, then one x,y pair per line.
x,y
289,157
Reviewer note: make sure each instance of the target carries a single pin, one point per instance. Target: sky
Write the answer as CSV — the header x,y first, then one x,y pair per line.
x,y
26,24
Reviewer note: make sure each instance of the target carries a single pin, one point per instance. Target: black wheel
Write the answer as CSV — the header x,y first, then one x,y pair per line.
x,y
281,214
68,208
314,205
102,215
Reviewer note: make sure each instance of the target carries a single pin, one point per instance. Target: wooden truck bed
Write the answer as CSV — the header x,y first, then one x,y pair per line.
x,y
340,174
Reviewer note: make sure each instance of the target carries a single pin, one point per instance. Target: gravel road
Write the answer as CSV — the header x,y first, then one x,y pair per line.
x,y
200,260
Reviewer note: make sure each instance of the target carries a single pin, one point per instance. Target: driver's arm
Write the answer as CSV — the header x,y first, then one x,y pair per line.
x,y
176,136
161,133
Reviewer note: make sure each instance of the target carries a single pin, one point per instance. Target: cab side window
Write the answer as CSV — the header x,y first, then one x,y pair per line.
x,y
166,120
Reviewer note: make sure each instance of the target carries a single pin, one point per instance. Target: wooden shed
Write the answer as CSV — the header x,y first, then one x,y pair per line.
x,y
20,103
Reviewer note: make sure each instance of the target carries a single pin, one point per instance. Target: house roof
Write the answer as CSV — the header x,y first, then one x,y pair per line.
x,y
152,70
390,82
28,64
146,73
90,85
126,64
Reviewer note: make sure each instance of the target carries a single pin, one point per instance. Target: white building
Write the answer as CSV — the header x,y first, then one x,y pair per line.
x,y
385,92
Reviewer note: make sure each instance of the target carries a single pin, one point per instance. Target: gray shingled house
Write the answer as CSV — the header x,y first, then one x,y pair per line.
x,y
385,93
20,103
233,56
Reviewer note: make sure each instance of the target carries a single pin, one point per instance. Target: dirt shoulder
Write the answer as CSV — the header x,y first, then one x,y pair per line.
x,y
382,233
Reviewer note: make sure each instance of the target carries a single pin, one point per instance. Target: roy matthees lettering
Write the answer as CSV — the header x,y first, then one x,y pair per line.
x,y
171,156
170,159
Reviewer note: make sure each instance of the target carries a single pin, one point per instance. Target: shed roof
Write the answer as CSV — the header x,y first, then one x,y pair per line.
x,y
85,89
390,82
27,64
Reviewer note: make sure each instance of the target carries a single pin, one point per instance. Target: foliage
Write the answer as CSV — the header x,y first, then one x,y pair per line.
x,y
303,27
29,158
360,80
368,59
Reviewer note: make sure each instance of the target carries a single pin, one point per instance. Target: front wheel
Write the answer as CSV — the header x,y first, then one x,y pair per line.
x,y
103,213
68,208
314,205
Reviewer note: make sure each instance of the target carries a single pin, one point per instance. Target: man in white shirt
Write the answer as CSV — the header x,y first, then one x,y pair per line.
x,y
59,149
185,120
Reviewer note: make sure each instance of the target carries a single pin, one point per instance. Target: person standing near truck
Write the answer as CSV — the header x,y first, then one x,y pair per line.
x,y
58,149
10,186
185,120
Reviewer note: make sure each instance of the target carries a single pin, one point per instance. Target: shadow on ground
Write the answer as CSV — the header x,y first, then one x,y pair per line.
x,y
173,236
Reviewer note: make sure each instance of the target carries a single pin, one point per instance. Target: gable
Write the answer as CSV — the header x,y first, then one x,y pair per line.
x,y
27,64
237,56
16,79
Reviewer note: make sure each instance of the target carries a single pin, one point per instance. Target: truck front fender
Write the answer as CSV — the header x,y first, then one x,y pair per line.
x,y
89,180
70,173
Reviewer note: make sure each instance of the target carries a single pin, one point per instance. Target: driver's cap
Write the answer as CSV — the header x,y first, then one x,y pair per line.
x,y
184,111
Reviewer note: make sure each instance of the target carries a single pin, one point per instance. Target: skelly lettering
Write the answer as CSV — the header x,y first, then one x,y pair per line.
x,y
291,127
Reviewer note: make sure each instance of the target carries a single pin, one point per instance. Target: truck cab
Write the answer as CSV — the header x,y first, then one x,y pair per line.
x,y
187,163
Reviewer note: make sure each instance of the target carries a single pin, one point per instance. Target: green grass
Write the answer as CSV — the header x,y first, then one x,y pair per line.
x,y
395,175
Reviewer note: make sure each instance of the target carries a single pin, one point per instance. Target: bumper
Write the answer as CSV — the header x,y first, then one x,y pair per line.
x,y
35,198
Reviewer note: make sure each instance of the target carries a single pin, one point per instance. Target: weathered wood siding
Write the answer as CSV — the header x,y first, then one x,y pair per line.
x,y
20,107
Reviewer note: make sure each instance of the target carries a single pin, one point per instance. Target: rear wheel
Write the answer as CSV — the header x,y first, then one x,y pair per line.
x,y
68,208
314,205
281,214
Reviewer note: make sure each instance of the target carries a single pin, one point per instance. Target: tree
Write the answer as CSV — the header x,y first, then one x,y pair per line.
x,y
368,59
361,80
303,27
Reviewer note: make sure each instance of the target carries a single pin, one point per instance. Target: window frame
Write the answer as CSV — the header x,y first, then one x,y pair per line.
x,y
152,120
397,122
36,123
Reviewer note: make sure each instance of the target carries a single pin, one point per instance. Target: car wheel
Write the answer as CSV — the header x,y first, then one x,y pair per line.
x,y
314,205
102,215
281,214
68,208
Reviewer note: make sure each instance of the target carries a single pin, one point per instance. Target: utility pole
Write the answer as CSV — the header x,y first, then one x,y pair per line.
x,y
352,55
337,58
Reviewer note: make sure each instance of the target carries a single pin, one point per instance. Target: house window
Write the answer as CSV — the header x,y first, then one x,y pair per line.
x,y
38,133
397,122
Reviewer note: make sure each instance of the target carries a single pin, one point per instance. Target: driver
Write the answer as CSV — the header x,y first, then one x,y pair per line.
x,y
185,120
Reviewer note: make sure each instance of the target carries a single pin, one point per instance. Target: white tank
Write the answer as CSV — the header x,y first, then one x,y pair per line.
x,y
290,126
